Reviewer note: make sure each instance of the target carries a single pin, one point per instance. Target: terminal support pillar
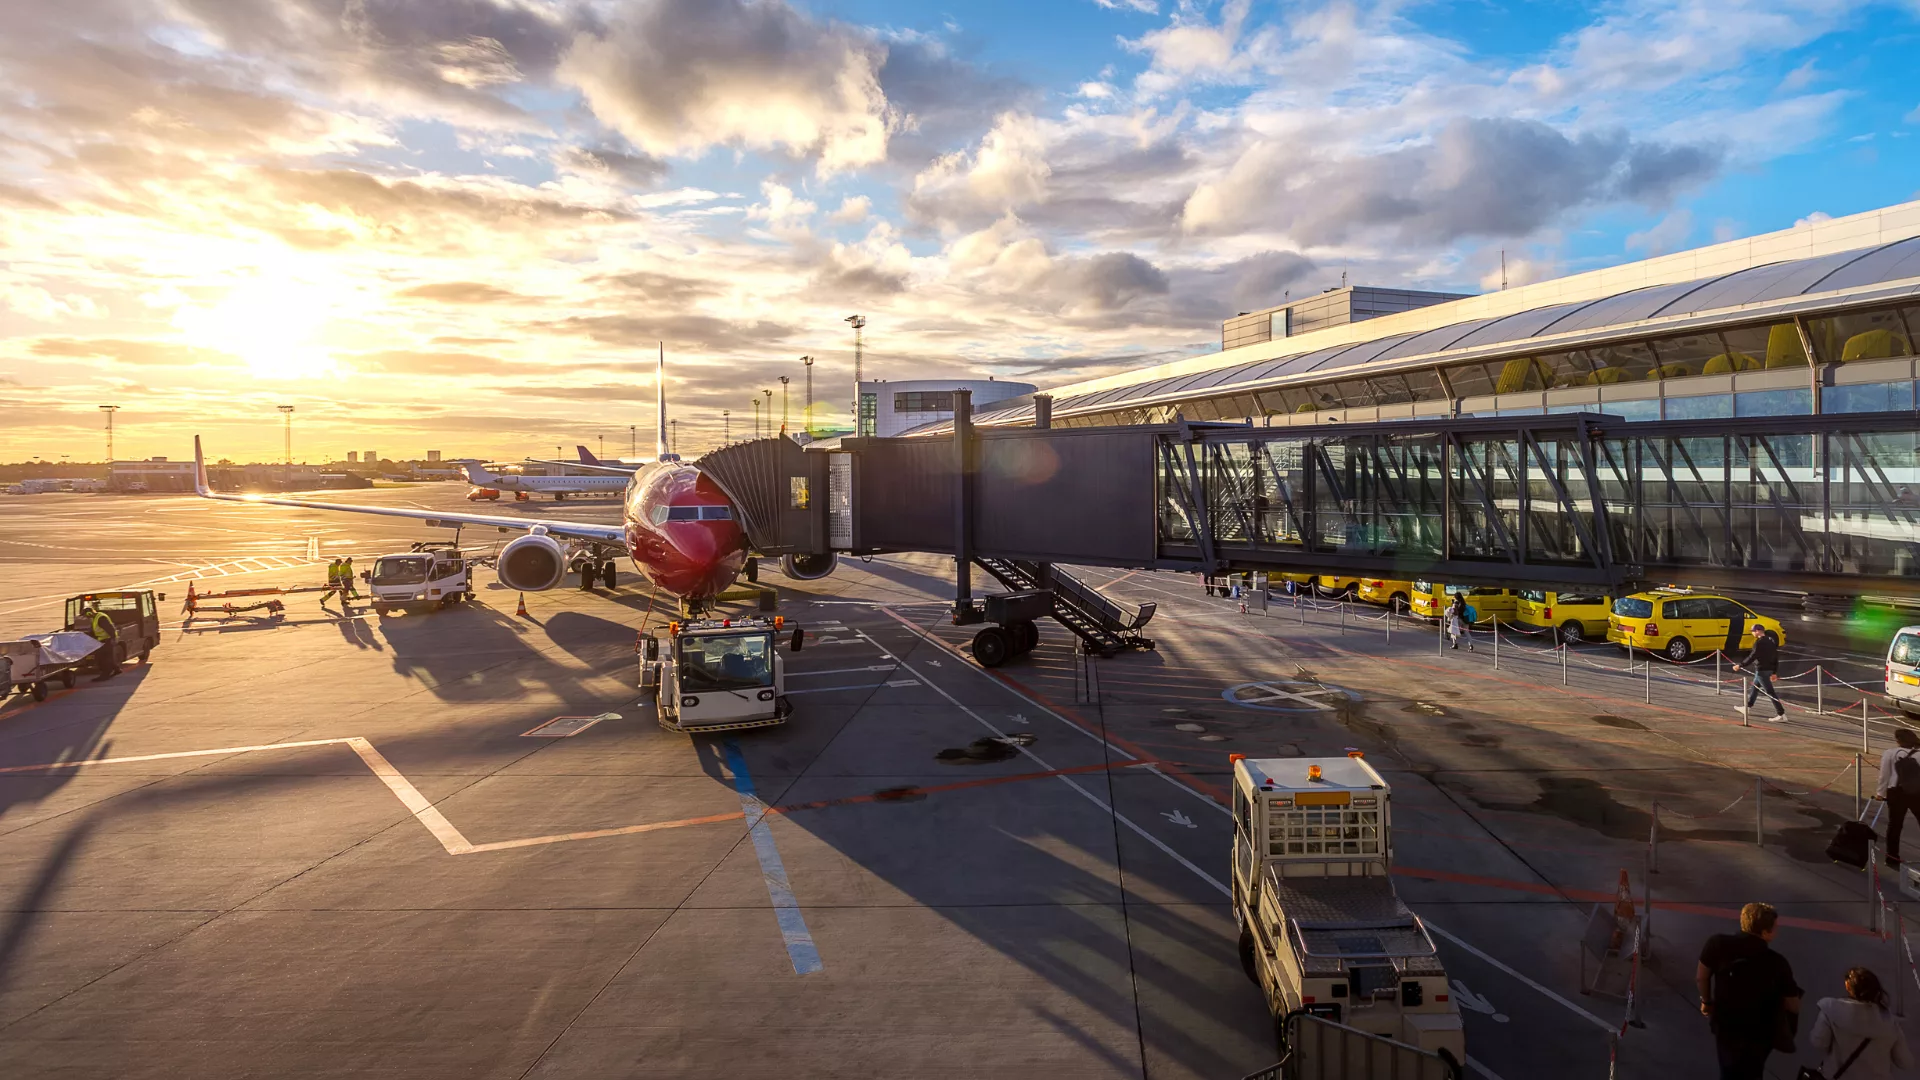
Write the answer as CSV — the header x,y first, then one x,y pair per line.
x,y
1043,421
962,505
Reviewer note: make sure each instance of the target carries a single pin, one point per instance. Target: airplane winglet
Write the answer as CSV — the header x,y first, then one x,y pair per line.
x,y
200,487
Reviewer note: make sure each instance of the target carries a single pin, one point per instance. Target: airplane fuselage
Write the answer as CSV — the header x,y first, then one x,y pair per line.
x,y
682,531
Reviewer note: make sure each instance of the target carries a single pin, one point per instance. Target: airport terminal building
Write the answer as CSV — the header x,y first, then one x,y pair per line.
x,y
1821,318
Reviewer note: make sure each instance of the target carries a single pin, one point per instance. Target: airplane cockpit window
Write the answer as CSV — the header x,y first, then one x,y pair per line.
x,y
683,513
693,513
716,513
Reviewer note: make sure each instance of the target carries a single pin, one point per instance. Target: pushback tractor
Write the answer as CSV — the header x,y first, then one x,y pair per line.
x,y
719,674
1321,929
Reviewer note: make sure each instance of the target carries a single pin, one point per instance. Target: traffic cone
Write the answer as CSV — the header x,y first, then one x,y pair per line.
x,y
192,600
521,611
1623,913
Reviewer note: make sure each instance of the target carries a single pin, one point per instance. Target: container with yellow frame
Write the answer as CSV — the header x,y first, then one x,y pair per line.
x,y
1677,624
1387,591
1574,617
1430,600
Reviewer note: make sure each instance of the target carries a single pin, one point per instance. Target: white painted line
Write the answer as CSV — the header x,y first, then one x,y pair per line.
x,y
566,727
164,757
840,670
1474,1064
848,686
786,909
410,797
1543,991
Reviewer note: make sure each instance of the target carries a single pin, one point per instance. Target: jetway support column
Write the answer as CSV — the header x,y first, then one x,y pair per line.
x,y
1043,420
963,507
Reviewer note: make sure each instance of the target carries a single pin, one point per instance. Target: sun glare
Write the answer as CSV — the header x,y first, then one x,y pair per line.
x,y
274,325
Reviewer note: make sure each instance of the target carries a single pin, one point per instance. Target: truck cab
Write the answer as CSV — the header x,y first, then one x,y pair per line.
x,y
429,576
718,674
1321,927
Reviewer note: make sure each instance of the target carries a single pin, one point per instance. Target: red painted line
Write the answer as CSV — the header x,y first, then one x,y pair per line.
x,y
1598,896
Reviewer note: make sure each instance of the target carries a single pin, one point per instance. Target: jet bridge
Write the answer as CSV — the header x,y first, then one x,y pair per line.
x,y
1823,503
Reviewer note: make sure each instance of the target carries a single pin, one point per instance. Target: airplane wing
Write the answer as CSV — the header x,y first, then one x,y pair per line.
x,y
565,530
610,470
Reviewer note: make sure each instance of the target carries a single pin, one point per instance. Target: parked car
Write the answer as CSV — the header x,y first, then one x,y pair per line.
x,y
1678,623
1574,617
1430,600
1903,671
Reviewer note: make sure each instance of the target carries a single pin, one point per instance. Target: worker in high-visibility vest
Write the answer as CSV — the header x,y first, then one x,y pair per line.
x,y
100,625
333,584
346,580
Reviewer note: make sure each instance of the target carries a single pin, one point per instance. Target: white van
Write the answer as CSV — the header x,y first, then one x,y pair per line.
x,y
1903,671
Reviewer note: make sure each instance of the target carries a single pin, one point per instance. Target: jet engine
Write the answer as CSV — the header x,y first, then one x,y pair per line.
x,y
532,563
808,567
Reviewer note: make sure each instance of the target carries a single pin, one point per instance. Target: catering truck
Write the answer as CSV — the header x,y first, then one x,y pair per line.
x,y
718,674
1321,929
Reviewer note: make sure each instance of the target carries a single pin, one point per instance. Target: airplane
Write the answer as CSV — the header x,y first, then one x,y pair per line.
x,y
593,464
678,527
558,486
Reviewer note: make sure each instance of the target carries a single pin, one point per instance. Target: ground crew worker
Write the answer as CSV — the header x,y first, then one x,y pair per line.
x,y
100,625
347,579
333,583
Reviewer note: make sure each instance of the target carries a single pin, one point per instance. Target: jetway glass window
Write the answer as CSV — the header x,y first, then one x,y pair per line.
x,y
1572,368
1797,402
1486,498
1691,354
1867,397
1873,479
1880,334
1700,407
1629,362
1775,345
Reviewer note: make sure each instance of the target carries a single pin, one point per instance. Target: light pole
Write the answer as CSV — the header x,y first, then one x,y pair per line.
x,y
633,441
769,394
756,417
783,404
109,410
726,427
287,411
603,447
808,415
858,322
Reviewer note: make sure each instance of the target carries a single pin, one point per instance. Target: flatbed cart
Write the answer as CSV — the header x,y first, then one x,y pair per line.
x,y
29,664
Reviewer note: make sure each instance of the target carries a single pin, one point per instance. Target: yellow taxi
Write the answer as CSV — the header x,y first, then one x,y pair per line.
x,y
1575,617
1337,586
1430,600
1680,623
1396,594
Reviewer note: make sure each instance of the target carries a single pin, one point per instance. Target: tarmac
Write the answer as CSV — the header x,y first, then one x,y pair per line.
x,y
321,846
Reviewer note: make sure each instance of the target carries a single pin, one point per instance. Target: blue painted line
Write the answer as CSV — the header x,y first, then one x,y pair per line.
x,y
786,910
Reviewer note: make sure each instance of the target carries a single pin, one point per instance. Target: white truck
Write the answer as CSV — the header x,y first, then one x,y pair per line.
x,y
430,576
1321,929
718,674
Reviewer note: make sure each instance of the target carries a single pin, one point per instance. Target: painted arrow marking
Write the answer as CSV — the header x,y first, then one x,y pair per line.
x,y
1467,999
1018,718
1179,819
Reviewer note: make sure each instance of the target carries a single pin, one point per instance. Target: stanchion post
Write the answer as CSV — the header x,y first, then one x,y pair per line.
x,y
1716,672
1646,693
1864,749
1819,691
1653,839
1859,793
1389,620
1496,643
1873,888
1564,650
1343,615
1759,825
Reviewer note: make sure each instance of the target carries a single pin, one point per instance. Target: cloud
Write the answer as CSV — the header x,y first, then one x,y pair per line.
x,y
1479,177
408,362
634,170
679,331
677,77
853,210
464,292
128,351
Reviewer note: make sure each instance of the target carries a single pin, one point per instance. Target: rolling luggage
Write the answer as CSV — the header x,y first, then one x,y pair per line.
x,y
1853,840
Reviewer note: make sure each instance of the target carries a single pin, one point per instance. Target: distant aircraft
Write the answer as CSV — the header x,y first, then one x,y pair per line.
x,y
557,486
587,461
678,528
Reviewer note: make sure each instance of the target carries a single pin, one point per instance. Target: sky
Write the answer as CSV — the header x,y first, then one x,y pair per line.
x,y
467,225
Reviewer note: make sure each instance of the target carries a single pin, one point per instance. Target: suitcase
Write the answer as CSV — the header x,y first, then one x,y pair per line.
x,y
1853,840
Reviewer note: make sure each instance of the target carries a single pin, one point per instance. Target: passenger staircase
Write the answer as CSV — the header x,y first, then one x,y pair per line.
x,y
1106,626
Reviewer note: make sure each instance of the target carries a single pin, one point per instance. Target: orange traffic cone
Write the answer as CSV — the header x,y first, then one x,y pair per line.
x,y
192,600
1623,912
522,610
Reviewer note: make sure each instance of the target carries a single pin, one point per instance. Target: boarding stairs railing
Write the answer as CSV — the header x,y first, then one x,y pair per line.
x,y
1092,616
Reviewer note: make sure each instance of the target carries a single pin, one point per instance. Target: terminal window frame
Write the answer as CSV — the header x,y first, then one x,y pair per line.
x,y
907,401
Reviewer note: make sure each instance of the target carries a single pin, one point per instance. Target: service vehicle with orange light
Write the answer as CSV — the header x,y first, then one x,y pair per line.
x,y
718,674
1680,622
1321,927
1573,617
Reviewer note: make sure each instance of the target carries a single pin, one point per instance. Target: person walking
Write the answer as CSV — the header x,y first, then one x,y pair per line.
x,y
99,624
1858,1038
1748,995
1899,786
1762,662
333,584
351,591
1457,622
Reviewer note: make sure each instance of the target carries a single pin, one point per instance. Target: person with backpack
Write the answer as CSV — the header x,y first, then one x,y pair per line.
x,y
1457,622
1858,1037
1748,995
1763,662
1899,786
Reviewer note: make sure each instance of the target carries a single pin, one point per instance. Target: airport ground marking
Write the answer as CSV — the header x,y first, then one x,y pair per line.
x,y
773,870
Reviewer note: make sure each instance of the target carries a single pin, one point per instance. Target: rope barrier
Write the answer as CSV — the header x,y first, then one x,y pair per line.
x,y
1822,787
1702,817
